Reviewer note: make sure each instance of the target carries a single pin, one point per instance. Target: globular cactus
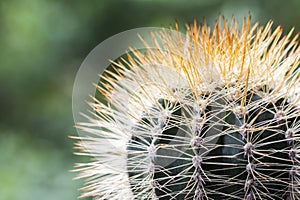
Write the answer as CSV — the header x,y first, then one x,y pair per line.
x,y
212,115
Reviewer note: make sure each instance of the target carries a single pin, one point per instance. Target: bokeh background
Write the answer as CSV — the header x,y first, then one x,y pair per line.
x,y
42,44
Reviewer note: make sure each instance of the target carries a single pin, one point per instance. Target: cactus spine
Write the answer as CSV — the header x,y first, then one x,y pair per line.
x,y
216,116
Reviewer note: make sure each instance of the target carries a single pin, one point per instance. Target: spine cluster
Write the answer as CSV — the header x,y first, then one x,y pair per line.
x,y
214,115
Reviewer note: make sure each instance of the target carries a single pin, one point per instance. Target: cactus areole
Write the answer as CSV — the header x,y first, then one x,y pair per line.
x,y
211,115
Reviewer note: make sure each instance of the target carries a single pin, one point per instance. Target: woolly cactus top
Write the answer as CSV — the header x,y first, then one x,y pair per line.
x,y
212,115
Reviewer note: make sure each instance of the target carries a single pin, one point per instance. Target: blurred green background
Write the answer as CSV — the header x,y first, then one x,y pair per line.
x,y
42,46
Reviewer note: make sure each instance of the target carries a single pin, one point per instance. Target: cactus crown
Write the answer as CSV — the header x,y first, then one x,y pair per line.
x,y
215,115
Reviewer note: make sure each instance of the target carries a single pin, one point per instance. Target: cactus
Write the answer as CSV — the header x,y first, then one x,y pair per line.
x,y
213,115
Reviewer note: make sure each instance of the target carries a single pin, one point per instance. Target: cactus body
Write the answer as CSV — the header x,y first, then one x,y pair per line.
x,y
216,116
